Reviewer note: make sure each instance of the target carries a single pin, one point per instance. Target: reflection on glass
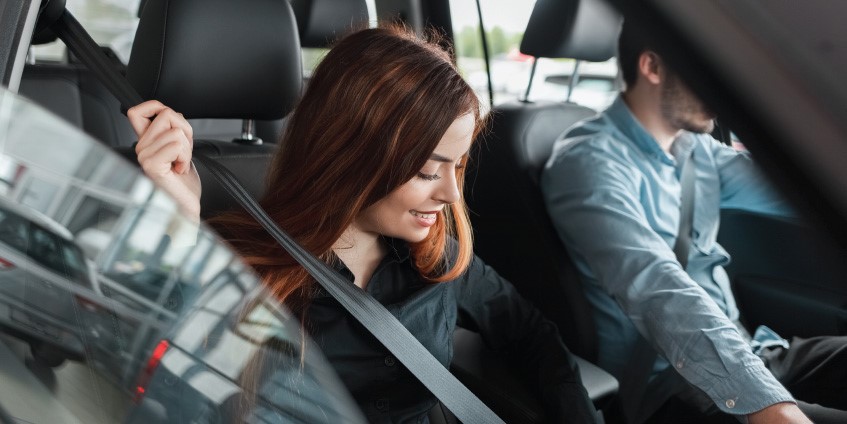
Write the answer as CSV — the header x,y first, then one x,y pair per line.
x,y
114,307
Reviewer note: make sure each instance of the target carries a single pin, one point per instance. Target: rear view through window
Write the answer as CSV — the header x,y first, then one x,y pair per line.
x,y
153,321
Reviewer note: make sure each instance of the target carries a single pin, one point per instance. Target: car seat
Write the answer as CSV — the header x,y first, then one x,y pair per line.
x,y
228,60
512,229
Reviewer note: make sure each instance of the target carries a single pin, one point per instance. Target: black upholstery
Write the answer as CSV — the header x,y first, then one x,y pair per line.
x,y
248,163
72,92
491,377
323,21
223,60
192,55
512,229
568,28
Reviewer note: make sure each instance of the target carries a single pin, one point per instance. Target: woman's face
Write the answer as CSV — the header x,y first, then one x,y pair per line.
x,y
410,210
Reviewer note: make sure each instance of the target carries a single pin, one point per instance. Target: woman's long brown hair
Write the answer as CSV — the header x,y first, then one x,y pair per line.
x,y
375,109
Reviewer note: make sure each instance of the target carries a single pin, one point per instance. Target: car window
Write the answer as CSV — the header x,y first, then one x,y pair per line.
x,y
111,23
101,334
504,22
57,254
13,231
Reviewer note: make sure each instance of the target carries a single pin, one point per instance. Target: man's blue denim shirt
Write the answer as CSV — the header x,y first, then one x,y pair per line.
x,y
614,197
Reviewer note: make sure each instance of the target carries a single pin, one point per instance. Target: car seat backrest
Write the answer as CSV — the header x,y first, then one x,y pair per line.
x,y
72,92
512,229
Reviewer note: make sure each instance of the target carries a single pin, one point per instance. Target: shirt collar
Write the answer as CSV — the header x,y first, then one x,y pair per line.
x,y
398,250
623,118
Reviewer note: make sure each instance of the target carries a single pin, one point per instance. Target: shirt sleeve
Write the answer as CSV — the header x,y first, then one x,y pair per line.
x,y
593,200
742,184
490,305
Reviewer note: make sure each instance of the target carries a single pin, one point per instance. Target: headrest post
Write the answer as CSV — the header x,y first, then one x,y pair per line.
x,y
574,80
248,133
531,76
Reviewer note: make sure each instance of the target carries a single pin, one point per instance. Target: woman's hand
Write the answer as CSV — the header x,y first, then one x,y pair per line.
x,y
164,152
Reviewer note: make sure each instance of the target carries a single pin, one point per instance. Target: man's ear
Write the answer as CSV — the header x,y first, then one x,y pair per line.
x,y
650,67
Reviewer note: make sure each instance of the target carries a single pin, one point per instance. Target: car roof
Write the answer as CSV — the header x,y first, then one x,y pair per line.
x,y
37,218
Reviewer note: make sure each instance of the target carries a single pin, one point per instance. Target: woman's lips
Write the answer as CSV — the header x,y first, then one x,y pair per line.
x,y
425,219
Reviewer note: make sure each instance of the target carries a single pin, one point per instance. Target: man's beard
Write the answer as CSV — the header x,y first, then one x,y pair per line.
x,y
681,109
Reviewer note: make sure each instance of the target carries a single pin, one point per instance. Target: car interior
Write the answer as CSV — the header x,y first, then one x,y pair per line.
x,y
168,49
202,58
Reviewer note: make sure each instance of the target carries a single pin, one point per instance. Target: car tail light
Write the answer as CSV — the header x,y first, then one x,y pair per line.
x,y
147,372
6,265
88,304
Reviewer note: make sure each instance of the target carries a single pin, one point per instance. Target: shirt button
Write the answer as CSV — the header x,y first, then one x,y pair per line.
x,y
730,403
679,365
381,404
390,361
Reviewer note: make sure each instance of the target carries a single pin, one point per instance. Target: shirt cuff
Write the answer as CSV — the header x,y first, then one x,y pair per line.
x,y
752,389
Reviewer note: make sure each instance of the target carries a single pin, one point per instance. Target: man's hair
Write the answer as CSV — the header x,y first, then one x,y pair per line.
x,y
631,43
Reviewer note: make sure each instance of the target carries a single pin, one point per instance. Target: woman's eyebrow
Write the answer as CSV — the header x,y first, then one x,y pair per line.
x,y
438,158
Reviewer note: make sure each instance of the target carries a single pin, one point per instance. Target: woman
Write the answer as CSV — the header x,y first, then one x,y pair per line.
x,y
368,177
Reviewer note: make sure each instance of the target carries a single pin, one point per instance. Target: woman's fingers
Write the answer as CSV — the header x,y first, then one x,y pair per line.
x,y
165,141
163,119
167,127
140,115
169,152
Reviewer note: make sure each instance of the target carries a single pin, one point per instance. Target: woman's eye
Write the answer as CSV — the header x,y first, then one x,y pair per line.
x,y
428,177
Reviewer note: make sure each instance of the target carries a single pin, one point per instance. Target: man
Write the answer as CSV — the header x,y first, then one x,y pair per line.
x,y
612,187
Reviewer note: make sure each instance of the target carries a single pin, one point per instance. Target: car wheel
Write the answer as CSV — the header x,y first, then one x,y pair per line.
x,y
46,354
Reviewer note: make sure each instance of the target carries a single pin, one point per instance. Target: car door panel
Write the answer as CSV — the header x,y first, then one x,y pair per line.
x,y
785,274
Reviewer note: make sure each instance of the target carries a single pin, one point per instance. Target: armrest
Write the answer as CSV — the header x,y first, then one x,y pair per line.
x,y
601,385
496,382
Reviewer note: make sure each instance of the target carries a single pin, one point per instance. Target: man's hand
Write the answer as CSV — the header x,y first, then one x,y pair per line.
x,y
787,413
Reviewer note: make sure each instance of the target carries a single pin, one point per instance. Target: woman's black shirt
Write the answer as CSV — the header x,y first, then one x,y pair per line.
x,y
480,300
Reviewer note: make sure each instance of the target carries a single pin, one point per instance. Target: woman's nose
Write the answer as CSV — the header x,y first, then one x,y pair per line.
x,y
448,191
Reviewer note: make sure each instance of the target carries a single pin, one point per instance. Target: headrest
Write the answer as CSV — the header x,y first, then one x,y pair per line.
x,y
323,21
218,58
578,29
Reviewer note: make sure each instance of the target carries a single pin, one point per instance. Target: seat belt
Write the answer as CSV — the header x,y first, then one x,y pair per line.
x,y
686,210
367,310
636,407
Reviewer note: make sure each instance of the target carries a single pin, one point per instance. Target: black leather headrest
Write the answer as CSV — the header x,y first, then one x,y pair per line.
x,y
218,58
578,29
323,21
